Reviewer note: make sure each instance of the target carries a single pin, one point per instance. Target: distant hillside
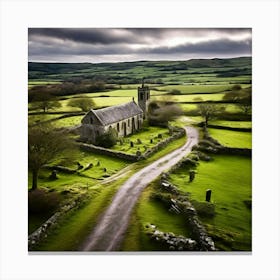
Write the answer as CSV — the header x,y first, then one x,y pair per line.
x,y
133,72
217,62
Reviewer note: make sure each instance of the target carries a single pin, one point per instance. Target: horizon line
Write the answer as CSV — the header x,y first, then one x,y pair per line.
x,y
131,61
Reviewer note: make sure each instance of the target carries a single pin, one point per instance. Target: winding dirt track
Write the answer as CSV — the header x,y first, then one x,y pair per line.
x,y
109,232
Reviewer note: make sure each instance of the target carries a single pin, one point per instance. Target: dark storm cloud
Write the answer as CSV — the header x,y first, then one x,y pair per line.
x,y
215,46
122,35
92,44
86,35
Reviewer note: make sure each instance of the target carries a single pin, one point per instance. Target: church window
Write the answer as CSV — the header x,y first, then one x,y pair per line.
x,y
91,120
118,127
128,122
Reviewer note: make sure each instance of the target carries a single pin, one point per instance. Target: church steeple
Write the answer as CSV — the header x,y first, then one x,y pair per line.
x,y
143,97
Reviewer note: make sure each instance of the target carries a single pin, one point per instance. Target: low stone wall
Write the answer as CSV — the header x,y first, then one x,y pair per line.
x,y
180,204
164,143
42,232
170,240
61,168
108,152
97,149
58,118
244,129
235,151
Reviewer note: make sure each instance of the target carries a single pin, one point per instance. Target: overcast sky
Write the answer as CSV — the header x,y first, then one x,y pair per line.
x,y
131,44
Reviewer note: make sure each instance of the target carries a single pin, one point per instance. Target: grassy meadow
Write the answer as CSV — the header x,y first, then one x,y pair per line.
x,y
234,139
229,178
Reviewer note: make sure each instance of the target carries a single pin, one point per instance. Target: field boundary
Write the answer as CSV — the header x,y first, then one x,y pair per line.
x,y
58,118
130,157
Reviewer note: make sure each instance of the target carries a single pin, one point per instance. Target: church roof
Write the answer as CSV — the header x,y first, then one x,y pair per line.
x,y
117,113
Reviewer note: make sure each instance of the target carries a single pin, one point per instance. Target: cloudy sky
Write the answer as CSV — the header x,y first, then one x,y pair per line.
x,y
131,44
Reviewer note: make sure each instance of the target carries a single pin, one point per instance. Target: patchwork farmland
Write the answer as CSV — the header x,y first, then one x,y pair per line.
x,y
213,96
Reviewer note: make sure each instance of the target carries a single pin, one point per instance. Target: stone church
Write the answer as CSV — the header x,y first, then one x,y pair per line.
x,y
125,118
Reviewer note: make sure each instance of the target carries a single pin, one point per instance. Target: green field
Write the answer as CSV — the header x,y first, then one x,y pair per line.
x,y
237,124
197,88
32,119
235,139
229,178
192,98
68,122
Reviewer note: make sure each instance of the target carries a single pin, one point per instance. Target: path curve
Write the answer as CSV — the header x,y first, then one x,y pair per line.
x,y
109,232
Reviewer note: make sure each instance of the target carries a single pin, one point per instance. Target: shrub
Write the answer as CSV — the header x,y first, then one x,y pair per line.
x,y
108,139
41,202
188,162
203,156
175,91
204,209
236,87
207,143
162,197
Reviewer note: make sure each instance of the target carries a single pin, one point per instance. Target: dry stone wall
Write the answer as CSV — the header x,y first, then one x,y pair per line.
x,y
181,205
43,231
97,149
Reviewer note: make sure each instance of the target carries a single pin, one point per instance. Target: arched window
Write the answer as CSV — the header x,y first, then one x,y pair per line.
x,y
118,127
128,122
91,120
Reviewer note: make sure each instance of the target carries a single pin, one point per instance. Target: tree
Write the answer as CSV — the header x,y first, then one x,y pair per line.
x,y
160,113
45,102
209,111
84,103
44,145
48,104
242,97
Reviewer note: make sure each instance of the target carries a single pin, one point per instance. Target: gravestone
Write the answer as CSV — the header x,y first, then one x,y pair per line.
x,y
208,195
53,175
192,175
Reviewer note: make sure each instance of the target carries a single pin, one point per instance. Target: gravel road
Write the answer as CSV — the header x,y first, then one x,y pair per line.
x,y
109,231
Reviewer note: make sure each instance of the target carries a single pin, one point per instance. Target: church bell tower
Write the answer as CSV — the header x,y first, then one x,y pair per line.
x,y
143,97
